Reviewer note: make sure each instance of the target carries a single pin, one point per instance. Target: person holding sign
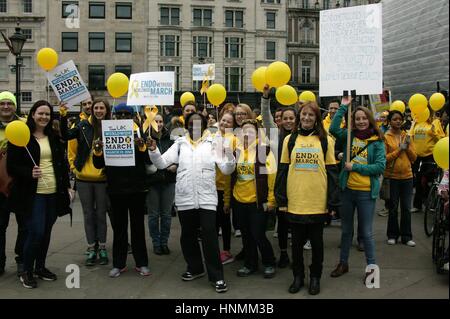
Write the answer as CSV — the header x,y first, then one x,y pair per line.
x,y
359,179
41,189
91,182
196,196
127,191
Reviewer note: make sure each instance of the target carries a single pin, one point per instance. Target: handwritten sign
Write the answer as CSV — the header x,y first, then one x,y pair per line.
x,y
380,102
152,88
67,84
351,50
200,71
118,142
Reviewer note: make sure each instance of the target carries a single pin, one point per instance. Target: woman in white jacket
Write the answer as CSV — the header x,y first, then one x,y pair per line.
x,y
195,195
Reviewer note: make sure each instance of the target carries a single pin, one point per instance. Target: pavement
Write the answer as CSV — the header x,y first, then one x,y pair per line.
x,y
405,272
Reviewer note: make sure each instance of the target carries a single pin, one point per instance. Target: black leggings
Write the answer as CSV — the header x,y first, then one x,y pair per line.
x,y
223,222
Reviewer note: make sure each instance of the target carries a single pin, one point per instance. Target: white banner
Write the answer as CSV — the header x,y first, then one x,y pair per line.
x,y
152,88
199,71
118,142
351,50
67,84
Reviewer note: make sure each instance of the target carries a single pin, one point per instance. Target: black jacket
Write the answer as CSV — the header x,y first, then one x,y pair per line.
x,y
84,133
162,176
20,167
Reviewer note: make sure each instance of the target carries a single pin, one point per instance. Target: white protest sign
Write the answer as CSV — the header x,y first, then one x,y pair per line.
x,y
200,71
118,142
152,88
67,84
351,50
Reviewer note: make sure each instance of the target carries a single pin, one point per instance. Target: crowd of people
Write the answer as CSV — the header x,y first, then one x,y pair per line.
x,y
232,168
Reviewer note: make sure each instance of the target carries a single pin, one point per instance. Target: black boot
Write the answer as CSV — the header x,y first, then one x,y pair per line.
x,y
283,262
314,285
297,284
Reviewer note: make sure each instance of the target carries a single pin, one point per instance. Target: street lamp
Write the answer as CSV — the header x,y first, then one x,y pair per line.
x,y
317,5
15,44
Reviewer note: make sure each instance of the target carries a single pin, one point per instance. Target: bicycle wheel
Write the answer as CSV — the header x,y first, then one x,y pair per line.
x,y
430,211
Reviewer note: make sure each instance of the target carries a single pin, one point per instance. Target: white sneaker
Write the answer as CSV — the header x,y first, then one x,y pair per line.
x,y
411,243
115,272
307,245
237,233
391,242
143,271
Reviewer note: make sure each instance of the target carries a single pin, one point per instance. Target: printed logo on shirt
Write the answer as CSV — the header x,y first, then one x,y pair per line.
x,y
420,134
356,147
245,171
307,158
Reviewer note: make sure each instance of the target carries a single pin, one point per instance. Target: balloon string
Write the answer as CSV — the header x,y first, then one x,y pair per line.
x,y
48,91
46,185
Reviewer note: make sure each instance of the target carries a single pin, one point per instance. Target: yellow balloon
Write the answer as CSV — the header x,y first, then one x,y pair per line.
x,y
418,103
117,85
187,97
278,74
422,116
307,96
259,78
286,95
440,153
216,94
18,133
47,58
398,106
437,101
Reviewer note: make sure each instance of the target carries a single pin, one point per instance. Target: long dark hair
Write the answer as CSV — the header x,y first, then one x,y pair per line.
x,y
372,124
96,124
318,126
48,130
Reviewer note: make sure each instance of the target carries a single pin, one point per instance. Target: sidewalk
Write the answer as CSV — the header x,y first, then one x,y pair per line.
x,y
405,272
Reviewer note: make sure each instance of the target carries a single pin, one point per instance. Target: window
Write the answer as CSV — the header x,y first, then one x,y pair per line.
x,y
271,1
270,50
96,77
234,48
27,68
125,69
3,6
69,41
3,68
176,69
234,79
234,19
27,6
124,10
26,97
96,10
305,4
28,33
307,33
123,42
170,16
306,71
96,41
202,17
202,46
70,8
347,3
270,19
169,45
326,4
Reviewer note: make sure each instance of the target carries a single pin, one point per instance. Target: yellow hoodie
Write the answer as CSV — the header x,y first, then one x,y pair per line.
x,y
401,160
425,138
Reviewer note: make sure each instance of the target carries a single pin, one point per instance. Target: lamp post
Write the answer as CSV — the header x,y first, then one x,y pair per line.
x,y
17,41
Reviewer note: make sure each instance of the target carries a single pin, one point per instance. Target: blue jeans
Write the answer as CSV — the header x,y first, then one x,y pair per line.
x,y
401,191
365,205
159,205
39,228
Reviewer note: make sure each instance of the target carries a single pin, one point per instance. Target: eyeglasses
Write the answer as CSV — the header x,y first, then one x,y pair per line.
x,y
240,114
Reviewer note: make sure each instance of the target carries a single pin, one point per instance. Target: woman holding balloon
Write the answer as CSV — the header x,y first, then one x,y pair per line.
x,y
41,189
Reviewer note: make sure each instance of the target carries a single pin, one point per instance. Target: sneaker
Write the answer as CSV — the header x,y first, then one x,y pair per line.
x,y
391,241
45,274
237,233
103,257
245,272
410,243
91,258
226,257
221,286
269,272
115,272
383,212
415,210
188,276
28,281
143,271
307,246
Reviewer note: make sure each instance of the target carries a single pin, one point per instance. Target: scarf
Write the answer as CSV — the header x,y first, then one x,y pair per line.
x,y
364,134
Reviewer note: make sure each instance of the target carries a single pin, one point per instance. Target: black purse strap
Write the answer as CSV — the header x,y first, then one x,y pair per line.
x,y
360,151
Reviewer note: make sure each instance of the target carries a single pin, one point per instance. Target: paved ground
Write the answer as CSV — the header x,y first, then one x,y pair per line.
x,y
405,272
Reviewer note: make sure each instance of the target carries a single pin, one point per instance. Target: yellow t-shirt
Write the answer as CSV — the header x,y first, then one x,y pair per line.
x,y
355,180
47,183
307,176
425,139
89,173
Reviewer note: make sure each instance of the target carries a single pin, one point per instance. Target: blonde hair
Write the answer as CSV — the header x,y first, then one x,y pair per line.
x,y
247,109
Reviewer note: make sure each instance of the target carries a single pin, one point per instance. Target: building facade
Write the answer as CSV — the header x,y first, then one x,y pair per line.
x,y
237,35
31,16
